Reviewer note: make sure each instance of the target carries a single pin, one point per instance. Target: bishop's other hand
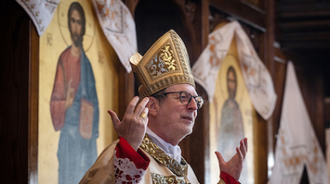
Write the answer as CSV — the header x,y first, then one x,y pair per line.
x,y
235,165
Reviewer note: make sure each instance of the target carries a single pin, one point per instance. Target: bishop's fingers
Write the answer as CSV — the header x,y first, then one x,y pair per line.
x,y
131,105
140,108
243,148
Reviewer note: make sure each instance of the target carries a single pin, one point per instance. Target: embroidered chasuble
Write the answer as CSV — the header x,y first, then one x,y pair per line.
x,y
120,163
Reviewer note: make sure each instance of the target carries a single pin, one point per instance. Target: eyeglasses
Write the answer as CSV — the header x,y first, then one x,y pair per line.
x,y
185,98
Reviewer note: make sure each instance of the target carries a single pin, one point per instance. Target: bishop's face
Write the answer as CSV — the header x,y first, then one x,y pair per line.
x,y
76,28
174,120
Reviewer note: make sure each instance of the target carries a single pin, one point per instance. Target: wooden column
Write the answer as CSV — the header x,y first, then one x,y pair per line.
x,y
270,64
19,80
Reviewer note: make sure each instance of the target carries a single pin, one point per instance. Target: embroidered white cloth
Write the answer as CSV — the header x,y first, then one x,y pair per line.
x,y
119,27
297,145
40,11
126,171
172,151
256,76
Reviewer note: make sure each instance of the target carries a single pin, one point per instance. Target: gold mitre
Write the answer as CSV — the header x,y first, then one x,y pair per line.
x,y
165,64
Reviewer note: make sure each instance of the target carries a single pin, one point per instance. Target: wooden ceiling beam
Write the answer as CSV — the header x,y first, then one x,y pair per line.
x,y
304,26
303,6
243,12
305,44
308,14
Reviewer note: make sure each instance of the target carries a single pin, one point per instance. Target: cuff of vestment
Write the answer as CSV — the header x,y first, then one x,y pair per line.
x,y
125,150
227,178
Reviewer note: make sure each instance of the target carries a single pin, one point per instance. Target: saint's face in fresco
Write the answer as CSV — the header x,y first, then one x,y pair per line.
x,y
231,82
76,24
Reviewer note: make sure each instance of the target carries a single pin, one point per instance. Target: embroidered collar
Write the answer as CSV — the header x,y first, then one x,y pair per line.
x,y
169,149
179,169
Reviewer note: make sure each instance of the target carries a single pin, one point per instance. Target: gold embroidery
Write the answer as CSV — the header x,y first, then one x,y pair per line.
x,y
161,157
166,63
167,56
156,179
163,63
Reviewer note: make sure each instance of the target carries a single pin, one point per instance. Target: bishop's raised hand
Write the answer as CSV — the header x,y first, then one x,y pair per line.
x,y
134,123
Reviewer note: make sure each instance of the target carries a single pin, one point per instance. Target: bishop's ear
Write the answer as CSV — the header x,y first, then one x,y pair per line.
x,y
153,106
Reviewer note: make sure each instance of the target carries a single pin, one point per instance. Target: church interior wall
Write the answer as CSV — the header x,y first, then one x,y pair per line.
x,y
259,18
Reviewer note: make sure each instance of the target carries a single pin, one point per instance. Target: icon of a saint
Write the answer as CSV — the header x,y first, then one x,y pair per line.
x,y
74,104
231,123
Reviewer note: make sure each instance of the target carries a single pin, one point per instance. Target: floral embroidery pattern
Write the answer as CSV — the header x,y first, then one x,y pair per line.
x,y
126,171
160,156
163,62
159,179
